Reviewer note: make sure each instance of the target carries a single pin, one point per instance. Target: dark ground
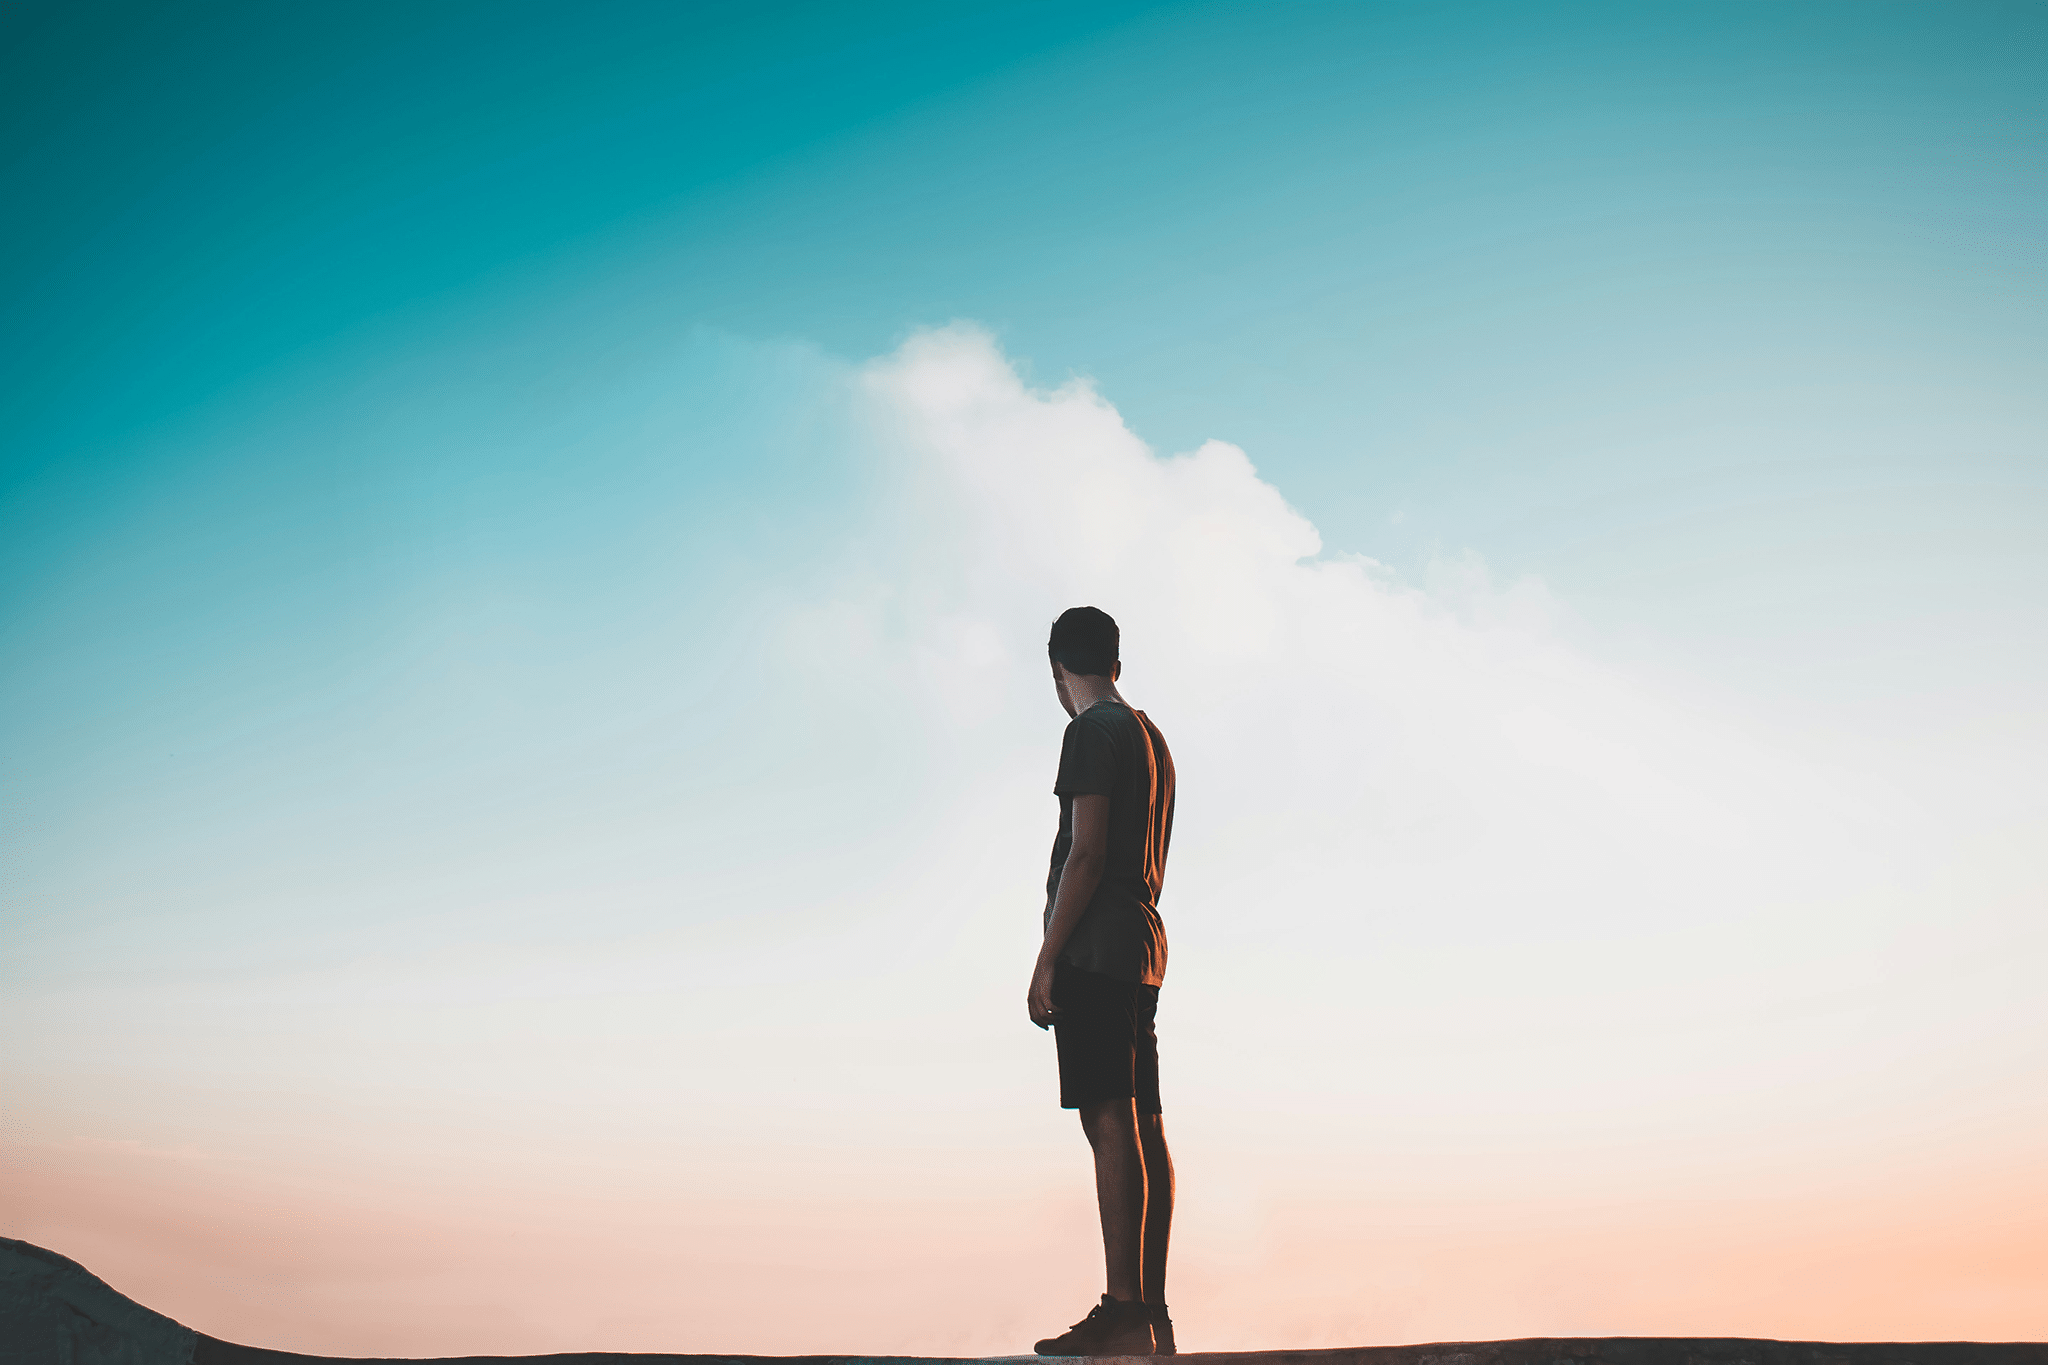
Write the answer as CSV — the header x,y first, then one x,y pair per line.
x,y
1530,1351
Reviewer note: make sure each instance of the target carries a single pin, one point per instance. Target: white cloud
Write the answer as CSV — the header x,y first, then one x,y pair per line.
x,y
1414,814
1395,753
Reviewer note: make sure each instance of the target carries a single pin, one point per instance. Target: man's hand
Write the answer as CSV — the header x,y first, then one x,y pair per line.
x,y
1039,998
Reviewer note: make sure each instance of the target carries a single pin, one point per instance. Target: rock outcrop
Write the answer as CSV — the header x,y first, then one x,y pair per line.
x,y
54,1311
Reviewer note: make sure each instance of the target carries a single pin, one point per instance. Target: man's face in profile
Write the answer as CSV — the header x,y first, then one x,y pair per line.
x,y
1059,685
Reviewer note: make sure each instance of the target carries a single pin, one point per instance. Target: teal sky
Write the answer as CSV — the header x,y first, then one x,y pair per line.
x,y
1599,291
464,515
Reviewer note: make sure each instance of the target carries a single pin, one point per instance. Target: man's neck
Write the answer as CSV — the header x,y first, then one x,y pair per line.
x,y
1085,692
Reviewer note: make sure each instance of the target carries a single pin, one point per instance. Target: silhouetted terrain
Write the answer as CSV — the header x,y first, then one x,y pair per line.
x,y
55,1312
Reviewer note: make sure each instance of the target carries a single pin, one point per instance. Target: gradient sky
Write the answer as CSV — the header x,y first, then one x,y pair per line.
x,y
524,757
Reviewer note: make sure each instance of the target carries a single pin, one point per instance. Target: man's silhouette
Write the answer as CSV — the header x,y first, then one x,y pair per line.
x,y
1097,979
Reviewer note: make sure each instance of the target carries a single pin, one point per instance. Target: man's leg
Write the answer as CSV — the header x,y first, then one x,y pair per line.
x,y
1112,1127
1097,1030
1158,1226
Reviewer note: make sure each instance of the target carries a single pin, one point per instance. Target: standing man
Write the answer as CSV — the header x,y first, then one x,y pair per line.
x,y
1096,984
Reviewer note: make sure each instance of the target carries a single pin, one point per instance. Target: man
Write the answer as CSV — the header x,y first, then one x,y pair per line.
x,y
1096,984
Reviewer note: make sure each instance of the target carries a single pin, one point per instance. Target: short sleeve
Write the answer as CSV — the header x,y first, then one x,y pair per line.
x,y
1087,761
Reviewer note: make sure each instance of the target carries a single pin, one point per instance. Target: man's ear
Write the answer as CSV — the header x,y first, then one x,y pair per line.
x,y
1116,670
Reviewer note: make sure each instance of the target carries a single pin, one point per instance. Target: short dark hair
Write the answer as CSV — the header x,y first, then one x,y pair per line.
x,y
1084,641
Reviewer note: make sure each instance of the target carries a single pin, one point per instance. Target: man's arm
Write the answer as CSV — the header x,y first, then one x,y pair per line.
x,y
1078,880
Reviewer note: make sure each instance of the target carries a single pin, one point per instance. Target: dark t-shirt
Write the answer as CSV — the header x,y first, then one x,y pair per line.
x,y
1112,750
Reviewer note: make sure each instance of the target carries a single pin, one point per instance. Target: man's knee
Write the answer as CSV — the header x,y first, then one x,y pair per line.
x,y
1105,1118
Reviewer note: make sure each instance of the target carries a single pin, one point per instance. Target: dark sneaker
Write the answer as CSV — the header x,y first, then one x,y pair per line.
x,y
1162,1330
1112,1328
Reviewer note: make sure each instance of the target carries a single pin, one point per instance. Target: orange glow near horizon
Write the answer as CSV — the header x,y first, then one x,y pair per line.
x,y
361,1263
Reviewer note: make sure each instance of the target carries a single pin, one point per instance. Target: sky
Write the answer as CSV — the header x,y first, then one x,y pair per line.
x,y
526,533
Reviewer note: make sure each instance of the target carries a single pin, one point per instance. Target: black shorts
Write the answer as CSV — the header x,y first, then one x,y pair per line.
x,y
1109,1049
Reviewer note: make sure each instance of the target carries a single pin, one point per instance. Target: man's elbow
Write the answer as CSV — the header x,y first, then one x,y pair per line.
x,y
1085,858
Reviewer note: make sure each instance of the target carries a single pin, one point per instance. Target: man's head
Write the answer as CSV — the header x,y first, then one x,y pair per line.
x,y
1084,642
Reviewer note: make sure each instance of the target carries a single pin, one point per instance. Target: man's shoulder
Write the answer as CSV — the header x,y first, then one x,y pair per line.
x,y
1120,723
1108,716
